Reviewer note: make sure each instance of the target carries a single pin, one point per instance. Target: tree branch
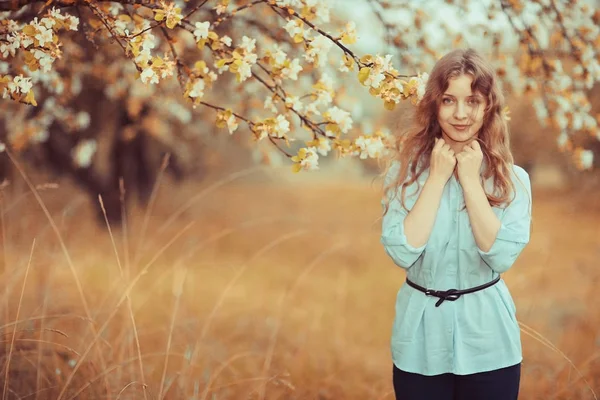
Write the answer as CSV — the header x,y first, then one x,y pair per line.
x,y
335,41
15,5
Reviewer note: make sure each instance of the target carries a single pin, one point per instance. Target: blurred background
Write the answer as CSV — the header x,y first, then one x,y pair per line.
x,y
152,248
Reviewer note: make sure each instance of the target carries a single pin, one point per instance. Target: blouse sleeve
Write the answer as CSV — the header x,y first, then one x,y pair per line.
x,y
392,237
515,229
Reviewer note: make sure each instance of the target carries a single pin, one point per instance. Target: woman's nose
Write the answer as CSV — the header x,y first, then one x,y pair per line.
x,y
460,112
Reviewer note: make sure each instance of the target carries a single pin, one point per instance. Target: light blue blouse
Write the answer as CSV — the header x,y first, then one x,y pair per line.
x,y
479,331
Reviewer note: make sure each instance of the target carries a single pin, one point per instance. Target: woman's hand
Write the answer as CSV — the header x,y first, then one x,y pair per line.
x,y
469,163
442,162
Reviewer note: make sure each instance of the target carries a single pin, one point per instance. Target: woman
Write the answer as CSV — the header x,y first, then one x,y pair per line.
x,y
457,214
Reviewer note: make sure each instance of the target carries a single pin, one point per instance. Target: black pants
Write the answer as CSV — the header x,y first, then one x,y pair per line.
x,y
501,384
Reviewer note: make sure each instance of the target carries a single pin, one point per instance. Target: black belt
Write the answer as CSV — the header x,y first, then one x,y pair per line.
x,y
451,294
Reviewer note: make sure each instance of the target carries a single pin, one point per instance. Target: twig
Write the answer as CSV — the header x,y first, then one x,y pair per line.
x,y
335,41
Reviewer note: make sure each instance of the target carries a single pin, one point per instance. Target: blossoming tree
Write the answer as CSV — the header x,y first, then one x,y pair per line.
x,y
269,70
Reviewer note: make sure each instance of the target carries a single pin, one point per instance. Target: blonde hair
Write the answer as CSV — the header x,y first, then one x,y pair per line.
x,y
413,149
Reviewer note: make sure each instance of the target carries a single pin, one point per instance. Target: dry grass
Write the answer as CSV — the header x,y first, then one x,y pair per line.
x,y
257,291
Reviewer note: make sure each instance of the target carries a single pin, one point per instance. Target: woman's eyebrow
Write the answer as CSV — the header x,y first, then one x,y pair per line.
x,y
471,95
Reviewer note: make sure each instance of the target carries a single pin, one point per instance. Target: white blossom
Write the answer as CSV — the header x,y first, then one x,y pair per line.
x,y
84,152
20,84
322,9
232,124
324,146
201,31
244,70
11,47
226,40
341,118
44,59
294,103
371,146
422,83
282,126
149,75
248,45
292,70
221,9
586,159
293,27
289,3
319,47
197,89
73,23
311,160
562,139
269,105
83,120
43,35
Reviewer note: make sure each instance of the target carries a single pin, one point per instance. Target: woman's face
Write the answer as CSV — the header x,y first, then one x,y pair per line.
x,y
461,112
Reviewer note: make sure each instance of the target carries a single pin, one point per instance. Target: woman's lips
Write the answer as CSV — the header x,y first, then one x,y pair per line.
x,y
461,127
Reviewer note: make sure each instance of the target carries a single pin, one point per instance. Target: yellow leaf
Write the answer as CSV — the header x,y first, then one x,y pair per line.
x,y
375,91
348,62
389,105
29,57
296,168
394,91
201,43
200,65
212,35
348,39
135,50
29,30
221,63
333,128
94,23
30,98
313,143
171,22
31,61
157,62
308,13
363,74
160,15
366,59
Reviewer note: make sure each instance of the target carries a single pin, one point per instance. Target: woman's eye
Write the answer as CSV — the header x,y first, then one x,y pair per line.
x,y
446,100
474,101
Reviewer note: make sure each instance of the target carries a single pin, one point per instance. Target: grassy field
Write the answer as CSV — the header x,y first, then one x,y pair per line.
x,y
258,291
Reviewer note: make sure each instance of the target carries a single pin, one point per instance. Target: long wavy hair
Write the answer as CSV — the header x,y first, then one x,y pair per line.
x,y
413,149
